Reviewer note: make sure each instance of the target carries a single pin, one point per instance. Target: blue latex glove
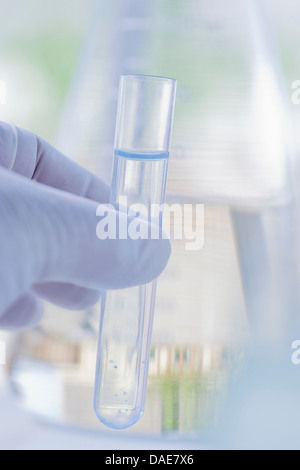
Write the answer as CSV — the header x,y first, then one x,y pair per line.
x,y
48,244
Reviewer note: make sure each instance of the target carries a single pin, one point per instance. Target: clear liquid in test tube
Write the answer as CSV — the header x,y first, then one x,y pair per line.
x,y
142,145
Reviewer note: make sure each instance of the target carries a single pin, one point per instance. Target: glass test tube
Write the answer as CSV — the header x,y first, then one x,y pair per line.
x,y
142,144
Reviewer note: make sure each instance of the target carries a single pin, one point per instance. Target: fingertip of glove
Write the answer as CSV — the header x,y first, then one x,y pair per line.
x,y
26,156
158,257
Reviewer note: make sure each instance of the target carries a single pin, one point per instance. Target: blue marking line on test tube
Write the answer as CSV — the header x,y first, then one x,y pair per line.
x,y
142,155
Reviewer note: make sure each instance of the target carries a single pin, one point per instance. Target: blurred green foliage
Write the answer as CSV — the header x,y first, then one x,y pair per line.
x,y
55,53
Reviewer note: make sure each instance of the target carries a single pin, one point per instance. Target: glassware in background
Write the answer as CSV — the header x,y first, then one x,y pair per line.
x,y
230,152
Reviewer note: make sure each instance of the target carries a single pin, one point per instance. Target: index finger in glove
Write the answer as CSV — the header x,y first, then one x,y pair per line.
x,y
28,155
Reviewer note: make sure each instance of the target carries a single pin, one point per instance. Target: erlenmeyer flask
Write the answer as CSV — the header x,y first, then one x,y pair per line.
x,y
230,154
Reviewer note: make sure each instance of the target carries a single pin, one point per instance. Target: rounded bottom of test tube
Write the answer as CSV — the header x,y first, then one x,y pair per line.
x,y
118,418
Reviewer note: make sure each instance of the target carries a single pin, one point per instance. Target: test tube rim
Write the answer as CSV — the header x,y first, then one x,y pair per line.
x,y
142,76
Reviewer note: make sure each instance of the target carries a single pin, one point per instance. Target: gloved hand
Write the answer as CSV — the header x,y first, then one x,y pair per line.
x,y
48,243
